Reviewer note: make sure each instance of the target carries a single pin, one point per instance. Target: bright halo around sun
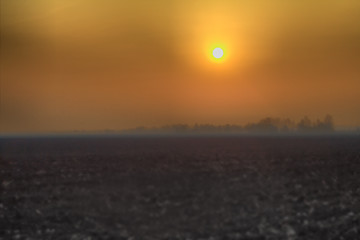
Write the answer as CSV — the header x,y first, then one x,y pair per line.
x,y
218,53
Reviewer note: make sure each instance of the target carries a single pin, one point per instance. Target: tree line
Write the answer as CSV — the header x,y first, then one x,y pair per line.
x,y
265,125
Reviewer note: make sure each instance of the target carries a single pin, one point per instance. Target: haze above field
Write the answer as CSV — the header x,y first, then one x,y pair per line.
x,y
91,64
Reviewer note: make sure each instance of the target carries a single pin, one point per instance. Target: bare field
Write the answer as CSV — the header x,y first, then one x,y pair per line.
x,y
180,188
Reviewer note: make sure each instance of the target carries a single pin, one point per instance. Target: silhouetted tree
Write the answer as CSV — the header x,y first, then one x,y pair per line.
x,y
327,125
265,125
329,122
305,125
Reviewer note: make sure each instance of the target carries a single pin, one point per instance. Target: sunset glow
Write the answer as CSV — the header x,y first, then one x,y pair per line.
x,y
75,65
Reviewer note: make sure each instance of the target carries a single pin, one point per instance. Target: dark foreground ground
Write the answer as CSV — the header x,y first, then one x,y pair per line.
x,y
180,188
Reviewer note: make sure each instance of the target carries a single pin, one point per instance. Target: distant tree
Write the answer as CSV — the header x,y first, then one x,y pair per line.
x,y
287,125
305,125
266,125
329,123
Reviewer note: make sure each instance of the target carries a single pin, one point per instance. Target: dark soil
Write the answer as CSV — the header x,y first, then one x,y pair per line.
x,y
180,188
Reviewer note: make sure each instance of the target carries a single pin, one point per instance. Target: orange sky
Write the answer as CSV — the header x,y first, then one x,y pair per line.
x,y
105,64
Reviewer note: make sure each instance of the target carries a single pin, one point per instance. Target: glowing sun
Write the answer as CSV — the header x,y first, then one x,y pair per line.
x,y
218,52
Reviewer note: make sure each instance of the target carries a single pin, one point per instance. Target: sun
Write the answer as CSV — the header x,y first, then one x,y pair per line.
x,y
218,53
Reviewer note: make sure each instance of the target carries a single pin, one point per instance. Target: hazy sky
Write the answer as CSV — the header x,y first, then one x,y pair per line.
x,y
111,64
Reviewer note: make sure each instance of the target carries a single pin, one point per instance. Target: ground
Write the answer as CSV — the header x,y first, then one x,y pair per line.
x,y
212,188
